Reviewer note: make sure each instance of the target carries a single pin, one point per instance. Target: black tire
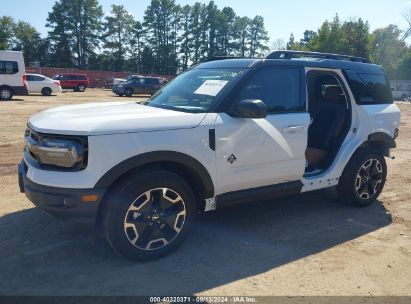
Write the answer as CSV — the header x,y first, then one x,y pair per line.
x,y
6,93
46,91
81,88
121,95
137,234
363,178
128,92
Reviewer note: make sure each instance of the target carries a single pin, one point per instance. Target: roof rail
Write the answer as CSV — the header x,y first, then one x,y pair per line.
x,y
300,54
216,58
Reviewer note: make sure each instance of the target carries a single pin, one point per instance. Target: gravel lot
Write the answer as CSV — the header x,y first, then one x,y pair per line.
x,y
305,245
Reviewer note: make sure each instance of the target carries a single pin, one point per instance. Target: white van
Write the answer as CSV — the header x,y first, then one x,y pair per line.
x,y
12,75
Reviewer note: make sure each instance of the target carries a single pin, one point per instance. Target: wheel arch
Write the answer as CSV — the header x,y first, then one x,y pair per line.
x,y
7,87
380,141
46,87
182,164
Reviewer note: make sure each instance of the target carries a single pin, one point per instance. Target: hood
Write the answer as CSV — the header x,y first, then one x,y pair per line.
x,y
111,118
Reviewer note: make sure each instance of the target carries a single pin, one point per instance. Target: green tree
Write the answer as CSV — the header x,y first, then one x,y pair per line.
x,y
147,60
186,37
27,39
6,32
211,24
226,33
387,48
59,37
351,38
119,27
198,27
404,67
159,22
355,38
258,37
308,36
77,23
241,29
136,45
328,38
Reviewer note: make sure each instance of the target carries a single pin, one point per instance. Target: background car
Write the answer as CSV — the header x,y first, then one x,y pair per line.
x,y
12,75
41,84
76,82
138,85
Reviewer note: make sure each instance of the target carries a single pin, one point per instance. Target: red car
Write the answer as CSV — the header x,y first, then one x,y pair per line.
x,y
77,82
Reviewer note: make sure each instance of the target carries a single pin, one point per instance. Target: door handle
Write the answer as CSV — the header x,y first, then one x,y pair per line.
x,y
293,129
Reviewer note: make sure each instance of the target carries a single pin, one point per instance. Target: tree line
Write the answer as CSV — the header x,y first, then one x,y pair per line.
x,y
385,46
169,39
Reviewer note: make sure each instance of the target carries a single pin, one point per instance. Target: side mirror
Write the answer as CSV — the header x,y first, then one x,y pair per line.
x,y
250,108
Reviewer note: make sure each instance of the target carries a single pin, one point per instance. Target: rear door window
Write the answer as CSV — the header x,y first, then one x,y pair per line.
x,y
35,78
369,88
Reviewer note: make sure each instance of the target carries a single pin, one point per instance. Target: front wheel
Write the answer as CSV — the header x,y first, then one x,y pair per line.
x,y
149,215
363,178
128,92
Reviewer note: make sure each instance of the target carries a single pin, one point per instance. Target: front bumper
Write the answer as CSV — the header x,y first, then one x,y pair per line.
x,y
63,203
118,90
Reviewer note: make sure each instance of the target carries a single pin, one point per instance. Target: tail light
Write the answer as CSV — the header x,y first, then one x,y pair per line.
x,y
57,82
25,82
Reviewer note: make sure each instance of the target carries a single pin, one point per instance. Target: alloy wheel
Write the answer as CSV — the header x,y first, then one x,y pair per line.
x,y
155,219
5,94
369,179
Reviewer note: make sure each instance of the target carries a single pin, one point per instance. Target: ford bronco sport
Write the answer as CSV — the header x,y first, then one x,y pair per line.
x,y
223,132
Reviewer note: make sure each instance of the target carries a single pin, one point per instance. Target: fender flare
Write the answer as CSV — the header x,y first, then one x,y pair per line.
x,y
383,138
157,157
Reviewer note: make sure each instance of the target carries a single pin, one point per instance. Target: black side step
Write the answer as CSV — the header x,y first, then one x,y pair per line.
x,y
259,194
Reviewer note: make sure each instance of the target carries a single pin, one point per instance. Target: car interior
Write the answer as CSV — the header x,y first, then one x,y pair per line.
x,y
330,111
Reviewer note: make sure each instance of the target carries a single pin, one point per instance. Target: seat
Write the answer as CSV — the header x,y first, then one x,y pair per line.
x,y
329,119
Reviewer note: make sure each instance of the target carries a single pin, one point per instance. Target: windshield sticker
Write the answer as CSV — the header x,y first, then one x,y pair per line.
x,y
211,87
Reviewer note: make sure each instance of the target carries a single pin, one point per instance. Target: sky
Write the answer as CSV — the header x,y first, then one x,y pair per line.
x,y
281,17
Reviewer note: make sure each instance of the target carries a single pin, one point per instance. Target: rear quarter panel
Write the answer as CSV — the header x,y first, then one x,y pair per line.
x,y
383,118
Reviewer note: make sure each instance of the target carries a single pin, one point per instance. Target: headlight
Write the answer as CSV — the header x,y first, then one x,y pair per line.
x,y
119,86
56,151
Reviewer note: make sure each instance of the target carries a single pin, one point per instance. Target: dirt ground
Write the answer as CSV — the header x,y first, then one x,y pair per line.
x,y
306,245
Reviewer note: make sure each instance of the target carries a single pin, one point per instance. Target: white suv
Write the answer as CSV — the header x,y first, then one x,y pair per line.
x,y
223,132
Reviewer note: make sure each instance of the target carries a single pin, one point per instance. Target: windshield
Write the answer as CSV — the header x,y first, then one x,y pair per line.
x,y
196,90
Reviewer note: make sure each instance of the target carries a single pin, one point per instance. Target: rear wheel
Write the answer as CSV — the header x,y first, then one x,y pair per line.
x,y
148,216
46,91
363,178
128,92
6,94
81,88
